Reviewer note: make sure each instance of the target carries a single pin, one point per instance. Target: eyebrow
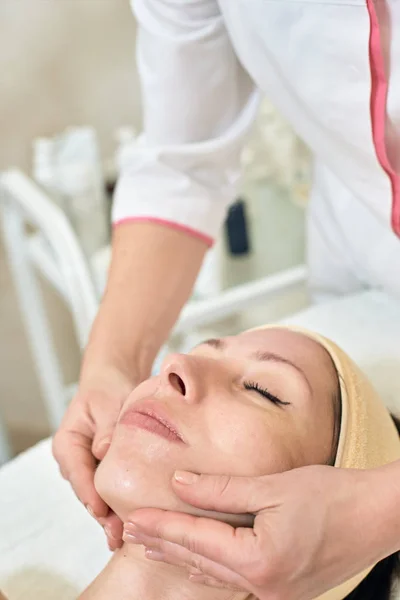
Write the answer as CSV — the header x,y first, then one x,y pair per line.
x,y
261,357
214,343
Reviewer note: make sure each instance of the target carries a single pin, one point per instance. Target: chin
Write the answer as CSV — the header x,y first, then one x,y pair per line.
x,y
126,485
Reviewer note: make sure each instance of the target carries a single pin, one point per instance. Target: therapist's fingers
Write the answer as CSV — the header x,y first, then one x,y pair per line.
x,y
158,549
222,493
113,528
78,466
84,435
215,540
73,451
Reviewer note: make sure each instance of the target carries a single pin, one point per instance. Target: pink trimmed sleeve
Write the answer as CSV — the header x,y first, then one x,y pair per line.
x,y
198,105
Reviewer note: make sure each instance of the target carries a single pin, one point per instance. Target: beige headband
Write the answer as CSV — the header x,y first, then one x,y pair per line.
x,y
368,437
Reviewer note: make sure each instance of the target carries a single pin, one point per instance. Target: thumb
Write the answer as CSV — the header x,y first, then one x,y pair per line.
x,y
101,444
224,493
102,438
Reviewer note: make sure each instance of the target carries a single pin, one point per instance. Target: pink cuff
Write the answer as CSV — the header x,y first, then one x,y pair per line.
x,y
171,224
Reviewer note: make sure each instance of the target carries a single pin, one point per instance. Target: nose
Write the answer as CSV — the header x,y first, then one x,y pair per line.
x,y
180,374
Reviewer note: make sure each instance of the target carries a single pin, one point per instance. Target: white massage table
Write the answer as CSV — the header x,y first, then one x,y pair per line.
x,y
49,546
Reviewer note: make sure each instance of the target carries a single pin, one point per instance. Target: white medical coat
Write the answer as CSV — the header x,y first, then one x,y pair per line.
x,y
332,67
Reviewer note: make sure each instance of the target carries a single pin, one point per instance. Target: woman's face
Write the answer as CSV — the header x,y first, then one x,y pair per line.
x,y
253,404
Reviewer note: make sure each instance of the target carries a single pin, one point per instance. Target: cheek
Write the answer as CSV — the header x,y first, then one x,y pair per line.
x,y
250,443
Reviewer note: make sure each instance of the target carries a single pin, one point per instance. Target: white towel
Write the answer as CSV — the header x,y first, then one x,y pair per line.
x,y
49,546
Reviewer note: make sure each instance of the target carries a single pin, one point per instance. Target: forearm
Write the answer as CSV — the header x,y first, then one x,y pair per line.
x,y
151,276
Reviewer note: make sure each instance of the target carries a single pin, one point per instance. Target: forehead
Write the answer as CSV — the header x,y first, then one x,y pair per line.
x,y
292,345
278,338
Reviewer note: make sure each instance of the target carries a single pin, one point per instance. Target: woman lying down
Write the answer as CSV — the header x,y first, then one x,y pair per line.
x,y
262,402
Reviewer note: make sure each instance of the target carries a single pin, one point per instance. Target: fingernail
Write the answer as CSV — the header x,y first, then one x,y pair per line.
x,y
130,538
153,554
131,528
109,533
90,511
186,477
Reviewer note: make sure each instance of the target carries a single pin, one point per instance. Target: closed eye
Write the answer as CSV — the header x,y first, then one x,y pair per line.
x,y
253,386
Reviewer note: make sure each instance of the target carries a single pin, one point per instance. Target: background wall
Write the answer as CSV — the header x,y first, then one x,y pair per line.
x,y
62,62
71,62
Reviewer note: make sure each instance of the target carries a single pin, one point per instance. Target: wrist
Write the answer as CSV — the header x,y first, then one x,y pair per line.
x,y
110,349
106,382
382,499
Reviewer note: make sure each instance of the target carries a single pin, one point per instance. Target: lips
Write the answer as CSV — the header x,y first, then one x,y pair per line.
x,y
150,416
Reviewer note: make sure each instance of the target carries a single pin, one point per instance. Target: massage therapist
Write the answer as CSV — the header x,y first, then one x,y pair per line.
x,y
202,63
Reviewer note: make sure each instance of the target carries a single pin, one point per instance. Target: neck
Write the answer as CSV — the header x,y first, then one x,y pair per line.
x,y
131,576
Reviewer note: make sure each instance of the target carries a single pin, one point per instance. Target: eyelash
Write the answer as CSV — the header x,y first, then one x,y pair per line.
x,y
253,386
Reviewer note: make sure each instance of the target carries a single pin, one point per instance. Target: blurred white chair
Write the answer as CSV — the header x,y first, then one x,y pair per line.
x,y
38,236
52,246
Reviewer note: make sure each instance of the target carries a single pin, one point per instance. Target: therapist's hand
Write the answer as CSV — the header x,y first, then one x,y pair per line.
x,y
84,438
152,272
314,528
